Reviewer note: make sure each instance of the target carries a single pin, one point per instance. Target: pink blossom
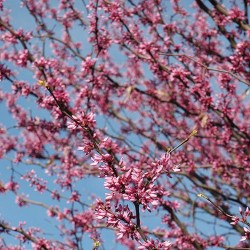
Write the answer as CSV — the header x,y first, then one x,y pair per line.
x,y
20,201
12,186
55,195
22,58
87,147
247,234
97,159
71,125
155,244
93,98
87,65
75,196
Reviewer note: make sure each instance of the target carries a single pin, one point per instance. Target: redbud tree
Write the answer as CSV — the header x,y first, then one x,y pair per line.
x,y
124,124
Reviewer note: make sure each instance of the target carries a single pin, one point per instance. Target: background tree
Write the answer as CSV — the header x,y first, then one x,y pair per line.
x,y
119,113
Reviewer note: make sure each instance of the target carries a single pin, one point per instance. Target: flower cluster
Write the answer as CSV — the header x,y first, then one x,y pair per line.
x,y
39,184
121,219
125,82
243,219
155,244
82,119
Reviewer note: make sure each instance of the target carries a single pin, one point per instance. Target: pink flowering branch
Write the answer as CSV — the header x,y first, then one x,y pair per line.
x,y
148,74
6,228
234,219
208,68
